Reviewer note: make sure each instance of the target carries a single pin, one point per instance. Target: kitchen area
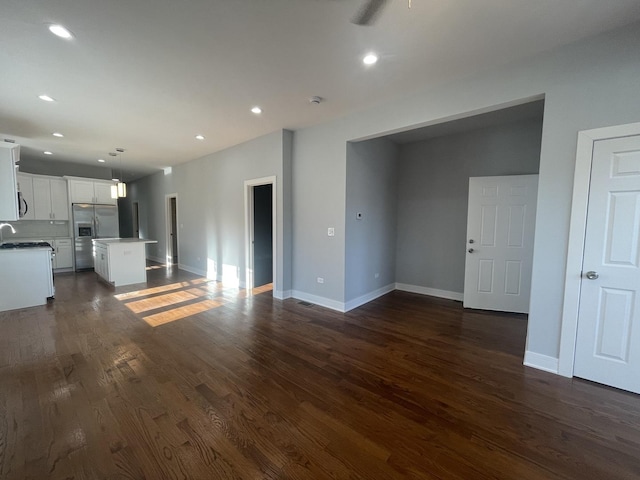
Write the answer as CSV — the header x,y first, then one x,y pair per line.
x,y
50,225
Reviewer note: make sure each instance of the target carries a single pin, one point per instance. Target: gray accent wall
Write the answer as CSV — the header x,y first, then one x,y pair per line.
x,y
211,212
433,191
372,173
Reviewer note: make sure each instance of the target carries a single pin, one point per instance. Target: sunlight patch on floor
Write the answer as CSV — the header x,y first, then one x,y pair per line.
x,y
166,300
258,290
179,313
157,267
184,299
164,288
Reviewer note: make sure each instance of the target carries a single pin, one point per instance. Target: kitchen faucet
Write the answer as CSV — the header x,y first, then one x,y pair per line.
x,y
13,230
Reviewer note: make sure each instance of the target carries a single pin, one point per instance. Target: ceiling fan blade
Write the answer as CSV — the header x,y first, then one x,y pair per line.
x,y
368,12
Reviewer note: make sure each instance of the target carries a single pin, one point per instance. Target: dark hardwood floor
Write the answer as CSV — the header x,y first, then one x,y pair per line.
x,y
185,379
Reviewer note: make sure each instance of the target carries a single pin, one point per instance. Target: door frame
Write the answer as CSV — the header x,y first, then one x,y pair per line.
x,y
135,218
169,245
577,234
248,228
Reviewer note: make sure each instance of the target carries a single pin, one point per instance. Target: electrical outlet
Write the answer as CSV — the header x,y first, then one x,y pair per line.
x,y
331,232
320,280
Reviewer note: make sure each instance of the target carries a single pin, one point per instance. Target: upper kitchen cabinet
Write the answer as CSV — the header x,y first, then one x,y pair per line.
x,y
103,193
91,191
25,197
9,156
50,199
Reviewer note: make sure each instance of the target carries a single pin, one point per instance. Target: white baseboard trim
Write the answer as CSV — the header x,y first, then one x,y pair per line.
x,y
195,271
62,270
316,300
433,292
541,362
367,297
157,259
282,294
356,302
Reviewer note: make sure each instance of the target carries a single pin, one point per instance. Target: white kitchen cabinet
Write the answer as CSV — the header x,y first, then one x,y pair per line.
x,y
63,252
25,187
9,156
91,191
103,193
59,199
50,198
101,261
81,191
63,249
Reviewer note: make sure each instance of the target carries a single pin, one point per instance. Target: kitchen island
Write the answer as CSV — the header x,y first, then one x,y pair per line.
x,y
121,261
26,277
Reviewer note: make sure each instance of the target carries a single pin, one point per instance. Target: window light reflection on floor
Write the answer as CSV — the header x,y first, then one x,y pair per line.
x,y
168,303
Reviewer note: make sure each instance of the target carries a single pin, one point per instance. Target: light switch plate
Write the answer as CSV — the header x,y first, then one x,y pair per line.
x,y
331,232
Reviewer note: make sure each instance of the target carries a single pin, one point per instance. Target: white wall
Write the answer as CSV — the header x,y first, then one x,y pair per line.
x,y
433,192
372,179
586,85
211,236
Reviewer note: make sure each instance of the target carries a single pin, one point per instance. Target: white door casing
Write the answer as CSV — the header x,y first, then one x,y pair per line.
x,y
608,334
500,232
575,251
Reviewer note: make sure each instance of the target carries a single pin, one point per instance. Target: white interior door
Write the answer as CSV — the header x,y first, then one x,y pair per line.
x,y
608,336
500,227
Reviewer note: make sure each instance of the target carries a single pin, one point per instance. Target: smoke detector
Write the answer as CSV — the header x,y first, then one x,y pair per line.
x,y
315,100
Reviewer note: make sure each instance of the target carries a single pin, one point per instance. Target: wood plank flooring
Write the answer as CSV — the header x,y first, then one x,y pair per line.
x,y
186,379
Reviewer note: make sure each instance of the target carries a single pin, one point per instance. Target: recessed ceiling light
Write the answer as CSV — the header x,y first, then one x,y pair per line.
x,y
199,137
257,110
370,59
57,134
60,31
46,98
101,160
48,153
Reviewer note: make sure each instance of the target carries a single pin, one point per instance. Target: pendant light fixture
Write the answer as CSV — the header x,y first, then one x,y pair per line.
x,y
119,190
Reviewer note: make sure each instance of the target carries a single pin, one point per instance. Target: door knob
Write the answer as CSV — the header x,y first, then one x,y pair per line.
x,y
591,275
471,250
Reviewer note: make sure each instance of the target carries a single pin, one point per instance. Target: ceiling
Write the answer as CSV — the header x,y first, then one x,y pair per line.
x,y
149,75
531,111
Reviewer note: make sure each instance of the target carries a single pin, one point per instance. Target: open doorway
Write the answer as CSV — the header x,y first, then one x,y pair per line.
x,y
172,228
135,220
260,203
262,235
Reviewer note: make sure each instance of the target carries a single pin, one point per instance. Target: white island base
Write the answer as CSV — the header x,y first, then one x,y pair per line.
x,y
26,278
121,261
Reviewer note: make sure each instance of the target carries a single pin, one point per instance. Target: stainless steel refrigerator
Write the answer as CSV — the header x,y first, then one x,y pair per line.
x,y
89,222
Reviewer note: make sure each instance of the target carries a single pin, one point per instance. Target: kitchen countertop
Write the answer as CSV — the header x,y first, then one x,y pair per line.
x,y
123,240
22,249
